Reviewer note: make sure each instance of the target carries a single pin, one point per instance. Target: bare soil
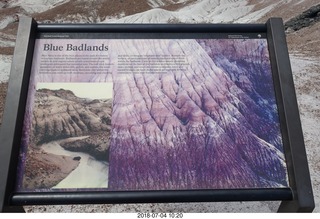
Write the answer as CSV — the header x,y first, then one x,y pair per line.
x,y
6,50
305,41
96,9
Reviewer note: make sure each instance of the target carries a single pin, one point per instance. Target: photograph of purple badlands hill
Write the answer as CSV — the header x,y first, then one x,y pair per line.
x,y
186,114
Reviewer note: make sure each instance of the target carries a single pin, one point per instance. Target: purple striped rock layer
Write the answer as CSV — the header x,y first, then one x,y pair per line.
x,y
213,125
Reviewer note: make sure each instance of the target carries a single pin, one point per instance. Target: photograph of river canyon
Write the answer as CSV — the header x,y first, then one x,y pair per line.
x,y
69,137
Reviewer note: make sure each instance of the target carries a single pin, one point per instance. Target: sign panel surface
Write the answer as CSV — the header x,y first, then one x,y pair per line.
x,y
151,114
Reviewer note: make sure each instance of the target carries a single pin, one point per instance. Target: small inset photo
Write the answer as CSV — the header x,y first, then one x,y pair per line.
x,y
69,136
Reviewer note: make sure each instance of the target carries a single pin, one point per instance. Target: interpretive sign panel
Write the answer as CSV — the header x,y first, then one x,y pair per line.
x,y
151,114
112,114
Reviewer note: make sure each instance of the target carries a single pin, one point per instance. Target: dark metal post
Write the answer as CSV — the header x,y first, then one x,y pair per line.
x,y
295,152
14,111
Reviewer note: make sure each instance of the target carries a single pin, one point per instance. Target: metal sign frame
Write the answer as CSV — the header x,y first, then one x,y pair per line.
x,y
297,198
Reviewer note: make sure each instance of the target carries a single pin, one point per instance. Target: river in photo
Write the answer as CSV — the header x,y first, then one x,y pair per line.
x,y
90,172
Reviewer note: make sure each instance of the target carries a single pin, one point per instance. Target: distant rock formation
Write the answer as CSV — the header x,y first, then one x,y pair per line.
x,y
306,19
59,114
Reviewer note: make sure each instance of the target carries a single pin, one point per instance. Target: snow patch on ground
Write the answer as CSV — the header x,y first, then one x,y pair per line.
x,y
5,63
36,6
